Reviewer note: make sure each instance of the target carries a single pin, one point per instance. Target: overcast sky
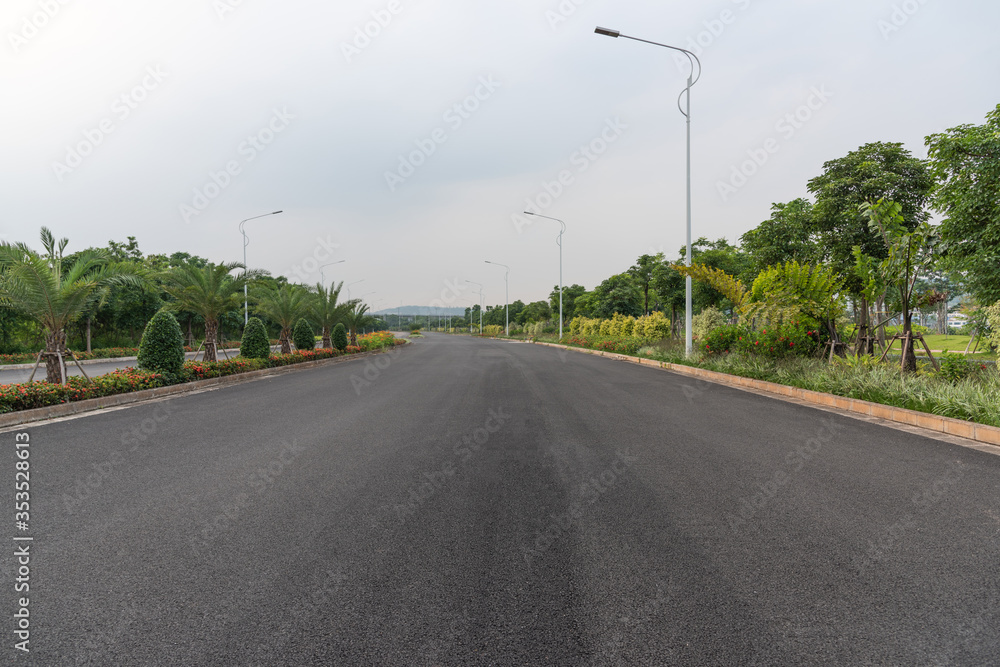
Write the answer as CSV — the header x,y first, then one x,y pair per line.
x,y
404,135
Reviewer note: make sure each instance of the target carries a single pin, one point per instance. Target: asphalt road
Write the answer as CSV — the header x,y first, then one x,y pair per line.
x,y
467,502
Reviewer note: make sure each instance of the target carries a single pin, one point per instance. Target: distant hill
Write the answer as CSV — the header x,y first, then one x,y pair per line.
x,y
421,310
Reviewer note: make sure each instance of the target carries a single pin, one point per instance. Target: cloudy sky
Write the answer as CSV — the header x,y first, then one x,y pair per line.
x,y
405,135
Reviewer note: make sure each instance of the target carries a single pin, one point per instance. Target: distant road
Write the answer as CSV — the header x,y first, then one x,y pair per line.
x,y
477,502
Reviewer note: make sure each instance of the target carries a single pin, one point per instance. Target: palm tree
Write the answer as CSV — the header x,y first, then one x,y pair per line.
x,y
210,292
326,312
44,290
283,305
356,318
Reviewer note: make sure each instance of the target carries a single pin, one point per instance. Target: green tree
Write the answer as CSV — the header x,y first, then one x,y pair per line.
x,y
209,291
162,347
909,253
255,344
570,294
536,311
644,271
788,235
965,160
283,305
618,294
339,336
721,255
355,318
671,289
326,311
40,287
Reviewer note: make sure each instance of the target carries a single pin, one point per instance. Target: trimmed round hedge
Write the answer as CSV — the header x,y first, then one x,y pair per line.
x,y
303,335
162,347
339,337
255,344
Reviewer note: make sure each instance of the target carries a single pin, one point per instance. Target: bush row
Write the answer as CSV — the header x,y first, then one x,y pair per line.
x,y
654,326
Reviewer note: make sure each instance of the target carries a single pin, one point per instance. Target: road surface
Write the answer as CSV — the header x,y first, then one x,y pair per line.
x,y
472,502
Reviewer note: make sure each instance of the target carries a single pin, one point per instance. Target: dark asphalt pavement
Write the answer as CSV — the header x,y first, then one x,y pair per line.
x,y
468,502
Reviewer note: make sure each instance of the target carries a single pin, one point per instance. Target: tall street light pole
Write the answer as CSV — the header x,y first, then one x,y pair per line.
x,y
349,287
559,241
246,242
506,306
322,277
686,110
480,308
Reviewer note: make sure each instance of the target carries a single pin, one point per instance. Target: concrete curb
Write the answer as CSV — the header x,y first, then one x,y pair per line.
x,y
67,409
989,435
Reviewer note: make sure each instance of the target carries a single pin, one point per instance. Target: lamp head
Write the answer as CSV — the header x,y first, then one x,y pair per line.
x,y
606,31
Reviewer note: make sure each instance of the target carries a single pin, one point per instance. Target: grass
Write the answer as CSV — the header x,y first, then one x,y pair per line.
x,y
975,398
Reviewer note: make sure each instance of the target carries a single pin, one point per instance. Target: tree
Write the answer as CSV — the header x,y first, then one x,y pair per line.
x,y
162,347
339,336
788,235
303,335
671,288
208,291
40,287
643,271
357,318
325,311
536,311
255,344
872,172
618,294
965,160
283,305
719,254
909,252
569,296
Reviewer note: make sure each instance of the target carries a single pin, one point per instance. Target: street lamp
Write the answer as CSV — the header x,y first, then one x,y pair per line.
x,y
246,242
322,277
686,110
559,241
349,287
506,282
480,308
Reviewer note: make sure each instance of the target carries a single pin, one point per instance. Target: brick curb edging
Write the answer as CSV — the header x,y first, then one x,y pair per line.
x,y
76,407
989,435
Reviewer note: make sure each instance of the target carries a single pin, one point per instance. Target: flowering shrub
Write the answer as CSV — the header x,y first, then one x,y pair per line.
x,y
629,345
793,339
26,396
376,340
352,349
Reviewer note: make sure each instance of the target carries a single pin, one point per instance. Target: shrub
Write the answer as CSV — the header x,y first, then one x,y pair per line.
x,y
162,347
492,330
303,336
255,344
709,318
339,337
954,367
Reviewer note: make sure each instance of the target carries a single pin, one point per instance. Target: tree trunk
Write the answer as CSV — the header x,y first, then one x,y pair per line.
x,y
354,336
327,342
879,311
910,355
865,343
286,346
942,317
211,330
55,342
88,334
190,334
